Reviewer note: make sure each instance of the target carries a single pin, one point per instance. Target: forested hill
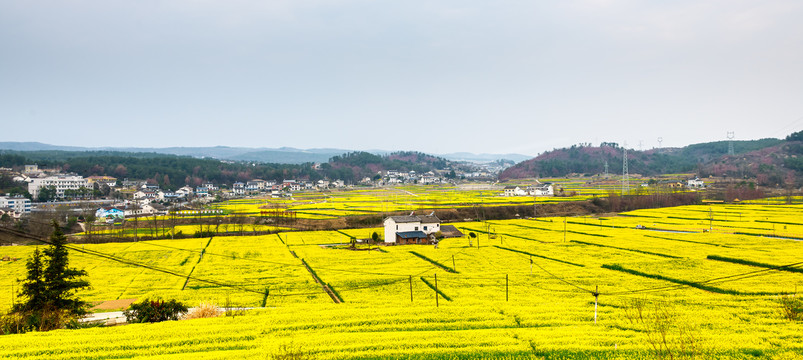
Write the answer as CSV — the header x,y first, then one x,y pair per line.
x,y
172,171
772,161
358,165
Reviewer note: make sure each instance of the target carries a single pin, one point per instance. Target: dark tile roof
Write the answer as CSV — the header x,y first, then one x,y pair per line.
x,y
450,231
405,219
412,235
429,219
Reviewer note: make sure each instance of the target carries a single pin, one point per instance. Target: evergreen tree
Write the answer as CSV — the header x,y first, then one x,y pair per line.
x,y
34,286
49,289
61,281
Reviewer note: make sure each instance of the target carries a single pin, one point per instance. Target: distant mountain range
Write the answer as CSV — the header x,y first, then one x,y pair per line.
x,y
284,155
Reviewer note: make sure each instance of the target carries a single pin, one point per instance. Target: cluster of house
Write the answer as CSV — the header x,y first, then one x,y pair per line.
x,y
111,214
410,177
258,186
540,189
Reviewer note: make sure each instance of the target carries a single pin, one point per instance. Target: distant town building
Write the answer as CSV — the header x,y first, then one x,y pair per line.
x,y
59,182
108,180
18,203
109,214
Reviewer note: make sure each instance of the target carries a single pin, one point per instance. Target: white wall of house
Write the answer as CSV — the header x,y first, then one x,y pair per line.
x,y
392,227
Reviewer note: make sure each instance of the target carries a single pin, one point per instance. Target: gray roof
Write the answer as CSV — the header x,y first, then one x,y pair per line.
x,y
405,219
426,219
429,219
510,187
450,231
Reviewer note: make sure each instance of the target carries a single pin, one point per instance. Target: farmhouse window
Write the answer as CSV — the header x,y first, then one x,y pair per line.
x,y
425,227
416,228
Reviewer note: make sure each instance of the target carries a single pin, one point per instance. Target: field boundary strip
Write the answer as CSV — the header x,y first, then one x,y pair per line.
x,y
690,241
438,291
433,262
326,287
754,263
693,284
626,249
505,234
196,264
540,256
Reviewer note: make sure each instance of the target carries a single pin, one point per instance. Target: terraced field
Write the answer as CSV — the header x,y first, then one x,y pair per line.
x,y
523,289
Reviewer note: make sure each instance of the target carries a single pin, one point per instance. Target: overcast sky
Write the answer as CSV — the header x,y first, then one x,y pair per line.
x,y
432,76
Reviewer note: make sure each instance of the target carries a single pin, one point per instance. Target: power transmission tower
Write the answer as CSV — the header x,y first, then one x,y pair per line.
x,y
660,140
731,135
606,169
625,175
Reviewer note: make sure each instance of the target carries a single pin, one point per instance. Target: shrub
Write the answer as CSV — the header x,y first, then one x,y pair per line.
x,y
204,310
155,310
791,307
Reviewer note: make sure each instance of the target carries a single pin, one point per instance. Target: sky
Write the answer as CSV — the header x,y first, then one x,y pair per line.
x,y
432,76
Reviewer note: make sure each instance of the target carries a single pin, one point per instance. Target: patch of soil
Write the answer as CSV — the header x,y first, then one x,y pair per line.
x,y
114,304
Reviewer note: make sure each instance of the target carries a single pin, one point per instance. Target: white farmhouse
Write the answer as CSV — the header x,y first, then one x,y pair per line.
x,y
411,229
544,189
514,191
695,183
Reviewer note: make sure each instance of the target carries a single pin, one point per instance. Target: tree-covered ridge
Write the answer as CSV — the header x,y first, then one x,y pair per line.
x,y
172,171
360,164
770,161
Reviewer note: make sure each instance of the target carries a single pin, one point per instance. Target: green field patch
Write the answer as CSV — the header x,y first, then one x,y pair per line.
x,y
626,249
788,268
697,285
433,262
435,289
540,256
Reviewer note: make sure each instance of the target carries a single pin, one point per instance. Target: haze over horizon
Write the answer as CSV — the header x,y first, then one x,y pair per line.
x,y
455,76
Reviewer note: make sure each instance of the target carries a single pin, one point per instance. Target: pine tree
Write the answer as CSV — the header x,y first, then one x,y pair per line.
x,y
34,286
49,289
61,281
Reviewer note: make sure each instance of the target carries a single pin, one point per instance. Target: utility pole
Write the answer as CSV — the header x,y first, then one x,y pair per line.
x,y
731,135
453,264
531,264
507,298
564,229
625,174
436,289
411,288
535,205
710,219
596,300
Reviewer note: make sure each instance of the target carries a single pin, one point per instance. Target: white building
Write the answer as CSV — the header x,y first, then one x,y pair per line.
x,y
146,194
238,189
410,229
544,189
18,203
185,191
514,191
60,182
108,180
695,183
